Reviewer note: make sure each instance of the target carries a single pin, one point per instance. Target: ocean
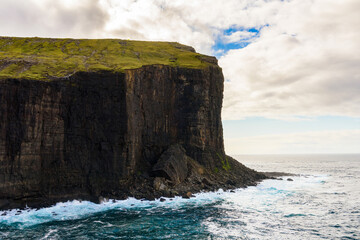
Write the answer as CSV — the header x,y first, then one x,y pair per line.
x,y
321,202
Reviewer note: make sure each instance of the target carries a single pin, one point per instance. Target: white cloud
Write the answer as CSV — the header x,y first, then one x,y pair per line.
x,y
238,36
197,23
157,20
340,141
306,62
48,18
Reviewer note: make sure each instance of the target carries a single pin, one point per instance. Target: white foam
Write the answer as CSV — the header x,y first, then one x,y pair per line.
x,y
49,233
260,196
256,205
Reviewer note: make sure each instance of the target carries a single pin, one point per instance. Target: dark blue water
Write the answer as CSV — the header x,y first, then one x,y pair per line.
x,y
322,203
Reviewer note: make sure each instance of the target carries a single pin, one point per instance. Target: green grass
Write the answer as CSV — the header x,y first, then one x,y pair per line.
x,y
224,162
46,58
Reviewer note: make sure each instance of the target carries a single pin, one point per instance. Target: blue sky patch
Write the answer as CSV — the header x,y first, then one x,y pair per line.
x,y
222,46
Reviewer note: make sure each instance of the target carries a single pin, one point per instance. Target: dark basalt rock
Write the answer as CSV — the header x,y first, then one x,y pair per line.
x,y
172,164
146,133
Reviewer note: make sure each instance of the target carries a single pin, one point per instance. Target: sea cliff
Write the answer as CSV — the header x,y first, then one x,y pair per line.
x,y
95,119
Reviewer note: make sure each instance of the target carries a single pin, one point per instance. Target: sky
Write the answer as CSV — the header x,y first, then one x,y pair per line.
x,y
291,67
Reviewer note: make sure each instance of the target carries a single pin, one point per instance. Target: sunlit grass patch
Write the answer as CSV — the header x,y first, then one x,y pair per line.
x,y
43,58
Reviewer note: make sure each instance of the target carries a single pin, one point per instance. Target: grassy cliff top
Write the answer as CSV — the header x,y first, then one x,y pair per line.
x,y
46,58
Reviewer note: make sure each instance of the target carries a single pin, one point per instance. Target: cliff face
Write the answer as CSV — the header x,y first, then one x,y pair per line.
x,y
146,132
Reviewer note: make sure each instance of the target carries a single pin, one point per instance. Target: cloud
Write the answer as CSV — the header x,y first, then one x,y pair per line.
x,y
238,36
304,63
197,23
46,18
340,141
158,21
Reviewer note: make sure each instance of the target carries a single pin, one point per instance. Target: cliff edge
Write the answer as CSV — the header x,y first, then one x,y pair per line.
x,y
94,119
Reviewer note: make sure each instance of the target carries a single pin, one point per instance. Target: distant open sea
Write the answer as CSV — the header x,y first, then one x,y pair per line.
x,y
323,202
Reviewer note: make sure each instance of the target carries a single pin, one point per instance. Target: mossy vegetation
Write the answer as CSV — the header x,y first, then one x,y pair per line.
x,y
46,58
224,162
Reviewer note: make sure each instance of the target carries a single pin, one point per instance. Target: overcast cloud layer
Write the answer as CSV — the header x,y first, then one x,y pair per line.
x,y
304,61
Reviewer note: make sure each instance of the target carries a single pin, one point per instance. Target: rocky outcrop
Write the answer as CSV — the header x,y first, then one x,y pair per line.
x,y
172,165
148,132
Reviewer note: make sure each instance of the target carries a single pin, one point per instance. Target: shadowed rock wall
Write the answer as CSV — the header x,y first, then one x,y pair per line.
x,y
92,134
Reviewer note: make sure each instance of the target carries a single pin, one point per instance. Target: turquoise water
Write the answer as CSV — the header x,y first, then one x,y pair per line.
x,y
322,203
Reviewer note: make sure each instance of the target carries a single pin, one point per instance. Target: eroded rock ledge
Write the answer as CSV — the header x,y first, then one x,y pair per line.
x,y
148,132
